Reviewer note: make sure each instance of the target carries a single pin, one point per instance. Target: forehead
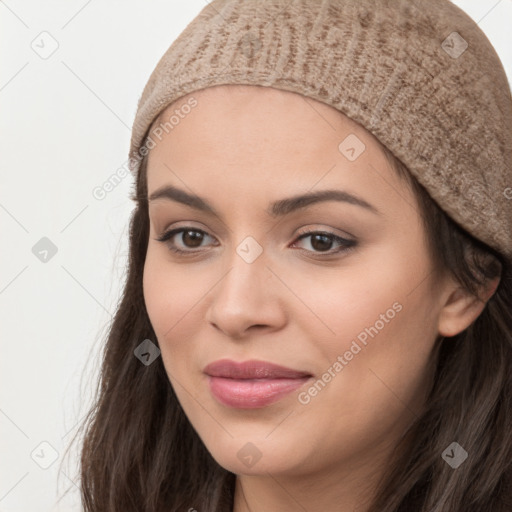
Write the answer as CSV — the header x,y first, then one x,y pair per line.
x,y
265,137
260,103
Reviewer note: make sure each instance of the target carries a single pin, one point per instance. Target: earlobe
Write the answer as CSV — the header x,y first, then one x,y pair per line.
x,y
462,309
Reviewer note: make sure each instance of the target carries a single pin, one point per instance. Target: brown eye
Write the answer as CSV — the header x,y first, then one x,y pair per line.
x,y
321,242
190,238
193,237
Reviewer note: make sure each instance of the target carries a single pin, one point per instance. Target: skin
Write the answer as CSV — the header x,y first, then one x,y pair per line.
x,y
240,148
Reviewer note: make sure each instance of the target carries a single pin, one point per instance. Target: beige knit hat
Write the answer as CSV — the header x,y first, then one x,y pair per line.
x,y
419,75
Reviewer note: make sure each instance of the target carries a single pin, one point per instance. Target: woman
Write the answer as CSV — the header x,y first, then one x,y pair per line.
x,y
318,308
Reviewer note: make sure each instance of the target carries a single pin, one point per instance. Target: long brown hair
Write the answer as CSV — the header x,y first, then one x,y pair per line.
x,y
140,453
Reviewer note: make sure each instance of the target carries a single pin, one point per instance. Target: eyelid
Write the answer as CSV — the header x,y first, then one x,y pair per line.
x,y
344,234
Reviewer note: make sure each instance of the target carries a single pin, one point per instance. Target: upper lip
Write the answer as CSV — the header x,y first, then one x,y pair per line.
x,y
252,369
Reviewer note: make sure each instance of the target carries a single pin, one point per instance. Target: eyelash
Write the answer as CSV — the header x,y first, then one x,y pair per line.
x,y
345,243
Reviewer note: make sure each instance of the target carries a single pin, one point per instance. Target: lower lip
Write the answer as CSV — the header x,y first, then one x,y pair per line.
x,y
252,393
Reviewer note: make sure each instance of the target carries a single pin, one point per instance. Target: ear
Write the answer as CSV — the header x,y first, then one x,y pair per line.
x,y
461,308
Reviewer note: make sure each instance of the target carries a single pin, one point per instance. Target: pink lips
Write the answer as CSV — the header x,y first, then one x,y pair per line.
x,y
252,384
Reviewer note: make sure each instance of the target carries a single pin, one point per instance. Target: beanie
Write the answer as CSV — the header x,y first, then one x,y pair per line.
x,y
421,76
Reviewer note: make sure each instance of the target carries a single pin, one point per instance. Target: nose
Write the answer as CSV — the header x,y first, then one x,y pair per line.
x,y
247,298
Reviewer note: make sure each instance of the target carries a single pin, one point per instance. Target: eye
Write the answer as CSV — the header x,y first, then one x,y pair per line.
x,y
322,241
191,238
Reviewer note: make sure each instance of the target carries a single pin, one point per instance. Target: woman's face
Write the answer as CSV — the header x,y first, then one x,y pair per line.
x,y
264,277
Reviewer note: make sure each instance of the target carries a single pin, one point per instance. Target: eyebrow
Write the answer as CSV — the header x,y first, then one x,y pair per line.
x,y
276,209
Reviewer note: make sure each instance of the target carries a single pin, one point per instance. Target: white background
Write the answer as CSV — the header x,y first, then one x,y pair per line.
x,y
65,127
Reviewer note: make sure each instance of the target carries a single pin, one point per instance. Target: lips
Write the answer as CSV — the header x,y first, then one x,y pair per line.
x,y
251,370
252,384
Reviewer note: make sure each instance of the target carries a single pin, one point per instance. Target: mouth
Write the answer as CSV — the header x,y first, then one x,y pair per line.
x,y
252,384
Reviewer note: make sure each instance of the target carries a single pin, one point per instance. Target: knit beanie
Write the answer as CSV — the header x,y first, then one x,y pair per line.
x,y
419,75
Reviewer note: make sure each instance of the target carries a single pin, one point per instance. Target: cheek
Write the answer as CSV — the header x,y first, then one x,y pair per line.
x,y
340,305
169,292
173,295
160,296
371,374
372,328
382,302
